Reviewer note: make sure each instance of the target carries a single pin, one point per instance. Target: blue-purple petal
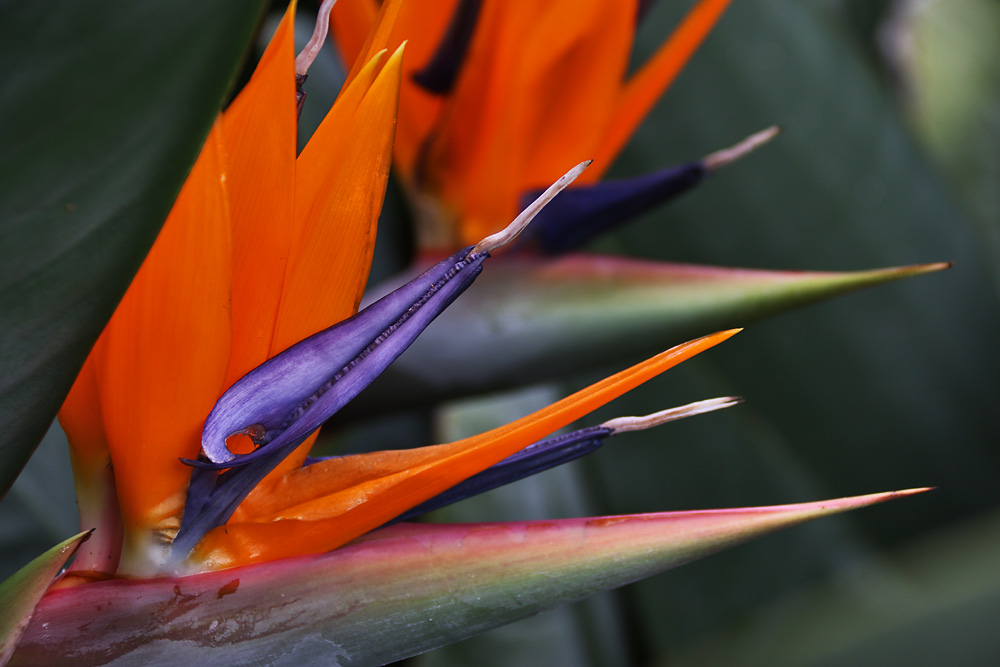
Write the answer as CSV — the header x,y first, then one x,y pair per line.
x,y
213,496
293,393
581,213
438,76
531,460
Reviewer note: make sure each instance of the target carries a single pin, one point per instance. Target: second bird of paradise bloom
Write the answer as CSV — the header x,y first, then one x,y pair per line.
x,y
497,97
191,421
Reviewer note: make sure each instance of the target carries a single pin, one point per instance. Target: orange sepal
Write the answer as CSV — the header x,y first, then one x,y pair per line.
x,y
371,489
424,23
465,166
519,115
580,55
341,180
162,359
81,419
260,132
647,86
340,185
379,36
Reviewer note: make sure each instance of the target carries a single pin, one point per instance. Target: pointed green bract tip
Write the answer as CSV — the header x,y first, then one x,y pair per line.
x,y
21,592
396,592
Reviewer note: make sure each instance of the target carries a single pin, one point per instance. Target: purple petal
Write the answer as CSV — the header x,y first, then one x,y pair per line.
x,y
531,460
579,214
438,76
289,396
558,450
282,401
213,497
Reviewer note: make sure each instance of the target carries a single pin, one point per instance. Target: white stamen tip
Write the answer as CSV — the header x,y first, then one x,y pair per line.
x,y
721,158
305,59
505,236
622,424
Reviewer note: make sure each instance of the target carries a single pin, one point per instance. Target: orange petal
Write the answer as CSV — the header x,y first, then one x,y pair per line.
x,y
376,494
423,24
580,55
340,183
534,97
474,125
312,184
378,37
162,359
648,85
80,417
260,132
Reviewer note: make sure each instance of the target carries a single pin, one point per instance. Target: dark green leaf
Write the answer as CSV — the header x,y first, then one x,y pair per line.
x,y
895,386
103,109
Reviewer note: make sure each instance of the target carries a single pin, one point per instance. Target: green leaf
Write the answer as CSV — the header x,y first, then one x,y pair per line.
x,y
21,592
104,108
396,592
530,319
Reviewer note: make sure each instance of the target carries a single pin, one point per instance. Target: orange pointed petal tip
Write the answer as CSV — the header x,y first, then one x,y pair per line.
x,y
643,90
379,37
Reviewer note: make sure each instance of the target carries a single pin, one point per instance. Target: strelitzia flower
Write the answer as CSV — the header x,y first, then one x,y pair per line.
x,y
497,97
214,535
245,266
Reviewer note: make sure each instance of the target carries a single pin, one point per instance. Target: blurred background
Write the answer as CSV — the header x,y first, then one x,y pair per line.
x,y
890,155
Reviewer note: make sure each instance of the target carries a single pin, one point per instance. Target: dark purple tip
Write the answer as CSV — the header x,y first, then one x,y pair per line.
x,y
531,460
579,214
439,75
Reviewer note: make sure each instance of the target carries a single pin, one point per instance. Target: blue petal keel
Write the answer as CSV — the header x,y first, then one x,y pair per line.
x,y
289,396
439,75
579,214
531,460
558,450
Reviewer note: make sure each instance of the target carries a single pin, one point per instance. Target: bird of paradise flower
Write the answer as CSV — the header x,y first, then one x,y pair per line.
x,y
241,299
498,97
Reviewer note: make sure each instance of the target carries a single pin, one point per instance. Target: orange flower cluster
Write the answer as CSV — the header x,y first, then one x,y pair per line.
x,y
542,86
